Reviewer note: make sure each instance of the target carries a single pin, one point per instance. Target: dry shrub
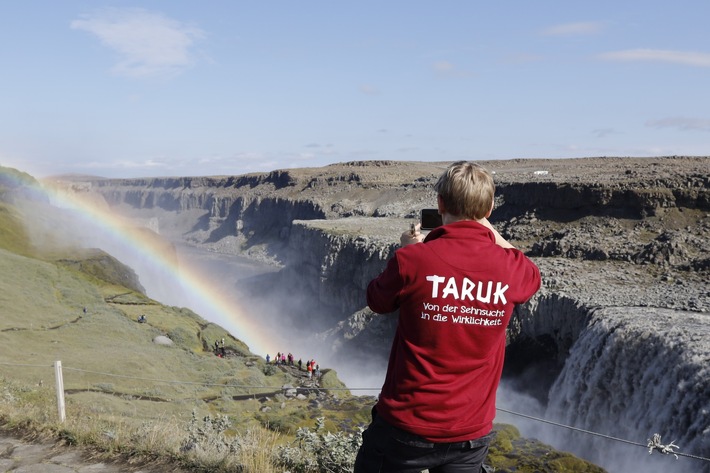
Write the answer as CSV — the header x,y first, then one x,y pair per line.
x,y
210,445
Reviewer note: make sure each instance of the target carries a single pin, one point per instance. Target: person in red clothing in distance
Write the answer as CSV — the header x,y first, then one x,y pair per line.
x,y
455,291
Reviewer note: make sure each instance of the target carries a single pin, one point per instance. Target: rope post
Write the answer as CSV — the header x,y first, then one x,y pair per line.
x,y
59,378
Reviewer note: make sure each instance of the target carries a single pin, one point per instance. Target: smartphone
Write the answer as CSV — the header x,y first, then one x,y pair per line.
x,y
430,219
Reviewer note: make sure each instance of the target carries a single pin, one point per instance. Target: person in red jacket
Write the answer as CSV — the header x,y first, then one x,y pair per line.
x,y
455,291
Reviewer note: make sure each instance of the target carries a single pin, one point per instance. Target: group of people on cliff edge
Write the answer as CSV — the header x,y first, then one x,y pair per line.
x,y
311,367
455,291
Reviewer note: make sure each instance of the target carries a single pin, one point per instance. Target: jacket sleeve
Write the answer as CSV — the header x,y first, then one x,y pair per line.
x,y
528,274
383,291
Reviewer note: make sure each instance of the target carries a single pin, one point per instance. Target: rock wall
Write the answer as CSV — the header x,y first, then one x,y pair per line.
x,y
631,199
334,268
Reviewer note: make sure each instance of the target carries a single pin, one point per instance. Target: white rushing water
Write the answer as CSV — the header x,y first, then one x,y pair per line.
x,y
633,373
633,377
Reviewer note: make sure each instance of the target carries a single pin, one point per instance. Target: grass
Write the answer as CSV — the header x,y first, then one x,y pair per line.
x,y
155,440
13,235
128,397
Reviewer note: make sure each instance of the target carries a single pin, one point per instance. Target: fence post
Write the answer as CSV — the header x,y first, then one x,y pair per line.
x,y
60,390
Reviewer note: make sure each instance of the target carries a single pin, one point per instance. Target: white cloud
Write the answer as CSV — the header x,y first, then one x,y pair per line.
x,y
214,159
124,164
682,123
368,89
659,55
249,157
148,43
443,66
602,132
574,29
447,69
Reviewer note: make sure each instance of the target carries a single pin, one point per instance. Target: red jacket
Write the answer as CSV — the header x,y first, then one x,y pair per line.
x,y
455,294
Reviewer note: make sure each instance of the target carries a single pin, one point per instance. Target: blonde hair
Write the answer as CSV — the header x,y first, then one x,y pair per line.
x,y
466,190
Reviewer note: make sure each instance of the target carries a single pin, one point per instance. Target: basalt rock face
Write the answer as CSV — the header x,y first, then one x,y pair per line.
x,y
244,206
332,267
531,195
618,328
333,228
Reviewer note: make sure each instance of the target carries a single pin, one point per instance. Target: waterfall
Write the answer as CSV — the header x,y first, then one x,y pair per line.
x,y
631,373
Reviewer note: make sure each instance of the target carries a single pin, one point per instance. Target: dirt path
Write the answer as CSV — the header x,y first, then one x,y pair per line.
x,y
21,456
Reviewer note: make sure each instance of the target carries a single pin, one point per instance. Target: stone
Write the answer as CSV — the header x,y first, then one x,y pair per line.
x,y
162,340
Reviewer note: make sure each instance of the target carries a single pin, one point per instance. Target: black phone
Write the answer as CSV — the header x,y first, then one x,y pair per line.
x,y
430,219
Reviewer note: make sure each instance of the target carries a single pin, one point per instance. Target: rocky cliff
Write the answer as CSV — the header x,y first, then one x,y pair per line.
x,y
618,330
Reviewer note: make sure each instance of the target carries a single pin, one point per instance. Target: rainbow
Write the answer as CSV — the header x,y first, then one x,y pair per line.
x,y
204,295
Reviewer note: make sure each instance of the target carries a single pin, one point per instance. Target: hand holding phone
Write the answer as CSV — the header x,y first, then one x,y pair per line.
x,y
413,235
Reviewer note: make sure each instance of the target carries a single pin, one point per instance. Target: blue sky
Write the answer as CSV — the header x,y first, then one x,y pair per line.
x,y
165,88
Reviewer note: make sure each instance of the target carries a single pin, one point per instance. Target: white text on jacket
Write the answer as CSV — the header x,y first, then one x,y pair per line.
x,y
464,289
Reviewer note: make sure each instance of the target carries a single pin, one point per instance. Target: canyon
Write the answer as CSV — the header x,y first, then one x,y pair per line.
x,y
616,341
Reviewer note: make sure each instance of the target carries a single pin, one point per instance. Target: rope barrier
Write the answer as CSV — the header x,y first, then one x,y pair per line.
x,y
189,383
25,365
192,383
653,444
609,437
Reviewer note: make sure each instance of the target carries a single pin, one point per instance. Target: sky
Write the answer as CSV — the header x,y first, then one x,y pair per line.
x,y
185,88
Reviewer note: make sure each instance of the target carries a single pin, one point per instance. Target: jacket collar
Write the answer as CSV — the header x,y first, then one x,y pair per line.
x,y
460,228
